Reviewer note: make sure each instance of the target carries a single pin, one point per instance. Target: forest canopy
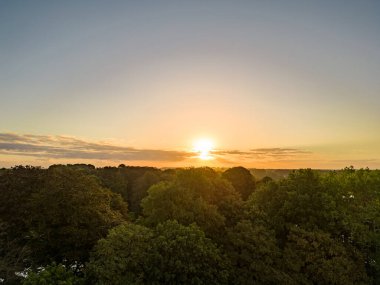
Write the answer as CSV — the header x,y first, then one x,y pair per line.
x,y
78,224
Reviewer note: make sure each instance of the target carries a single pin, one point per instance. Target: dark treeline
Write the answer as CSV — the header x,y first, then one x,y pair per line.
x,y
78,224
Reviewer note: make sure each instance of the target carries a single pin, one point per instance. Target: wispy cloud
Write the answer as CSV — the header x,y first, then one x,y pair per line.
x,y
264,153
73,148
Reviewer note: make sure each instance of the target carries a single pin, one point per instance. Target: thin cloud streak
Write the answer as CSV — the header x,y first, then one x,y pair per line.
x,y
264,153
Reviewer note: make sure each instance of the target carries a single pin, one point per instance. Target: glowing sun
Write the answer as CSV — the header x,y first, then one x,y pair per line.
x,y
203,147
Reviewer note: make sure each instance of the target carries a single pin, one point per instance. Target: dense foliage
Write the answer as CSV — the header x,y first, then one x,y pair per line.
x,y
77,224
53,274
167,254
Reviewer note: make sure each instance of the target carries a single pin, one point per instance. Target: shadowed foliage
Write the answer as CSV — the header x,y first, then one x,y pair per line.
x,y
71,225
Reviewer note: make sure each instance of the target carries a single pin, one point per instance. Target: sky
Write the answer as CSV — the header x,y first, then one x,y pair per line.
x,y
270,84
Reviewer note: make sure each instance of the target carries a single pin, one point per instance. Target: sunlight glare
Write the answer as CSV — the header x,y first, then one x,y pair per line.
x,y
203,147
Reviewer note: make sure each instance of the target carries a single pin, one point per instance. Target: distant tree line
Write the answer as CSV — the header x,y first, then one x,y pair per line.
x,y
77,224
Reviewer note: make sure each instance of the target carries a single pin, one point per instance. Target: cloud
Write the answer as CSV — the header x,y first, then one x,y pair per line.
x,y
73,148
356,161
50,148
264,153
279,151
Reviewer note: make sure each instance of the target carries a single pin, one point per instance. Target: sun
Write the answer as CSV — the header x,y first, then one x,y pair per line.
x,y
203,147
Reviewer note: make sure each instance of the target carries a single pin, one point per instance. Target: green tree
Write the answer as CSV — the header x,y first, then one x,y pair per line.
x,y
338,211
131,174
53,274
17,185
242,180
263,181
168,254
302,199
114,179
140,188
254,254
313,257
197,195
70,213
183,255
360,210
121,257
168,201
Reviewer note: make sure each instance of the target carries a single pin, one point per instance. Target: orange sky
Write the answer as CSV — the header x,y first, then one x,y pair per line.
x,y
282,84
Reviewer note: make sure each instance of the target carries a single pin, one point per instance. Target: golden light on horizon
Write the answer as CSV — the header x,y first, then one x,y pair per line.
x,y
203,147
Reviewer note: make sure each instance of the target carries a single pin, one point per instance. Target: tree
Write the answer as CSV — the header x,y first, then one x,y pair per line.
x,y
53,274
120,257
185,256
140,188
325,219
312,227
302,199
197,195
17,185
131,174
263,181
168,254
15,255
254,254
242,180
359,206
168,201
70,213
114,179
313,257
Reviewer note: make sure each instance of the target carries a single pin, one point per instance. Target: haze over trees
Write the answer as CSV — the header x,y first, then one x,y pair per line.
x,y
77,224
